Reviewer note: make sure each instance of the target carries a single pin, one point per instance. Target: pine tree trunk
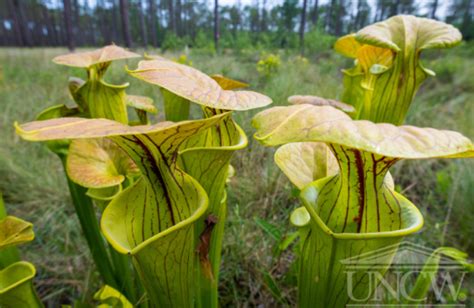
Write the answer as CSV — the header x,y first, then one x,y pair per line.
x,y
77,23
394,8
433,9
339,21
51,37
116,37
91,23
178,18
19,23
142,24
303,26
329,16
172,21
358,15
467,19
16,23
125,23
68,25
152,8
216,24
263,22
315,13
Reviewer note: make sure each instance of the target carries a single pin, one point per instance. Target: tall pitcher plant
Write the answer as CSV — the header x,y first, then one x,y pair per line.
x,y
170,215
96,98
340,161
205,156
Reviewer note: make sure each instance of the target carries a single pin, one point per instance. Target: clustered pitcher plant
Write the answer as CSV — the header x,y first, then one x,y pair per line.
x,y
160,187
151,196
339,155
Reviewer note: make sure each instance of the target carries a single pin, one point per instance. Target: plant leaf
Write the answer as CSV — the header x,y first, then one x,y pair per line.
x,y
331,244
370,57
80,128
104,194
206,157
196,86
154,219
59,147
109,297
388,59
347,45
74,85
330,256
141,103
15,231
104,100
305,162
319,101
57,111
227,83
16,286
95,97
303,123
406,32
176,107
98,163
428,273
300,217
269,229
288,240
89,58
272,286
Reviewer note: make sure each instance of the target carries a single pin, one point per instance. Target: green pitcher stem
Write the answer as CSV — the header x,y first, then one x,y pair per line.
x,y
209,277
8,255
160,210
90,226
210,166
124,274
323,274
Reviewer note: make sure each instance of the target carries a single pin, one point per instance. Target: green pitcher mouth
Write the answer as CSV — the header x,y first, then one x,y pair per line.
x,y
242,143
412,219
15,275
121,247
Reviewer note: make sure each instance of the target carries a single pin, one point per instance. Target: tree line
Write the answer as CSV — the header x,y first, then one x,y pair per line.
x,y
204,24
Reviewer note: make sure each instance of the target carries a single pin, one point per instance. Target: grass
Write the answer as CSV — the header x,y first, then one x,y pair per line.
x,y
253,272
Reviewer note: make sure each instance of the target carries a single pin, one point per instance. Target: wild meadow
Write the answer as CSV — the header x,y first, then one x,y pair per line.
x,y
257,257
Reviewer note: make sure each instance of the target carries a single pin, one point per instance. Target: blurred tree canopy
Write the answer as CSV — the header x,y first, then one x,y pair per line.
x,y
205,24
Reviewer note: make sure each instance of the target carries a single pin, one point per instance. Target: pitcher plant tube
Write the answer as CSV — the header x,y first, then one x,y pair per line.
x,y
205,156
341,167
388,70
355,210
153,219
95,98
